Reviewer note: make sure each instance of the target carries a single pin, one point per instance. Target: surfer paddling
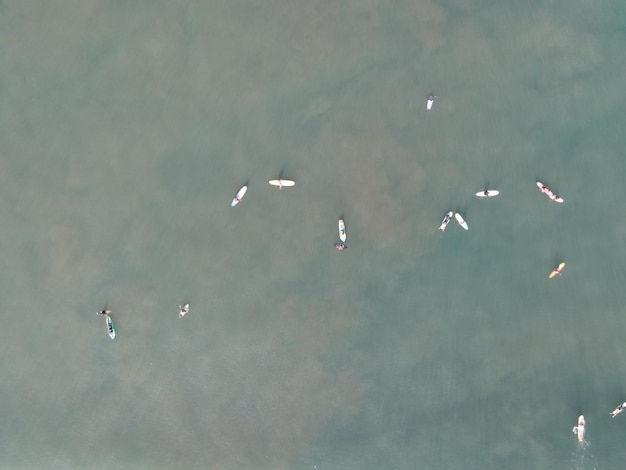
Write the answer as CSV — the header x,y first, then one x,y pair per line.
x,y
183,310
618,410
239,196
557,271
430,101
548,192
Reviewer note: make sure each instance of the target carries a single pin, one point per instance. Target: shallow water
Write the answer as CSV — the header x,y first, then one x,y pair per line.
x,y
127,129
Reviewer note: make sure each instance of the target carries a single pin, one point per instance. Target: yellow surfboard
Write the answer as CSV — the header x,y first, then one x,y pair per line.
x,y
556,270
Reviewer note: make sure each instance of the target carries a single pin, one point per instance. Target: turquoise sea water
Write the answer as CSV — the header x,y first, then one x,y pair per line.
x,y
127,127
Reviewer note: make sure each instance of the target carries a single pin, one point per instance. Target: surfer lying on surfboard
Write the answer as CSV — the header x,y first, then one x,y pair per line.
x,y
548,192
240,194
183,310
281,183
430,101
558,270
618,410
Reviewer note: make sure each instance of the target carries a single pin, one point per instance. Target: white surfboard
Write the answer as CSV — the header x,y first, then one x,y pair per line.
x,y
488,193
281,183
342,230
459,218
446,220
110,327
239,196
429,102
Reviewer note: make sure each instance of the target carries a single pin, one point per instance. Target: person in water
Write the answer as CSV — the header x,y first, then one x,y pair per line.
x,y
104,312
341,246
618,410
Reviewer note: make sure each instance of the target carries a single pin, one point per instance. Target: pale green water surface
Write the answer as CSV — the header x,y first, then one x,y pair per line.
x,y
128,126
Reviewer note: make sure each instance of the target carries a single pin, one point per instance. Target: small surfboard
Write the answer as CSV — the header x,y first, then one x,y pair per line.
x,y
342,230
488,193
281,183
446,220
429,102
459,218
239,196
556,270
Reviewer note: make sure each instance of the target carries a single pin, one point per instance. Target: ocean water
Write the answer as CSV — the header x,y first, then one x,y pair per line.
x,y
126,129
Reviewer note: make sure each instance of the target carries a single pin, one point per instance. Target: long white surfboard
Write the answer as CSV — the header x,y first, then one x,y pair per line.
x,y
281,183
239,196
342,230
429,102
488,193
459,218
